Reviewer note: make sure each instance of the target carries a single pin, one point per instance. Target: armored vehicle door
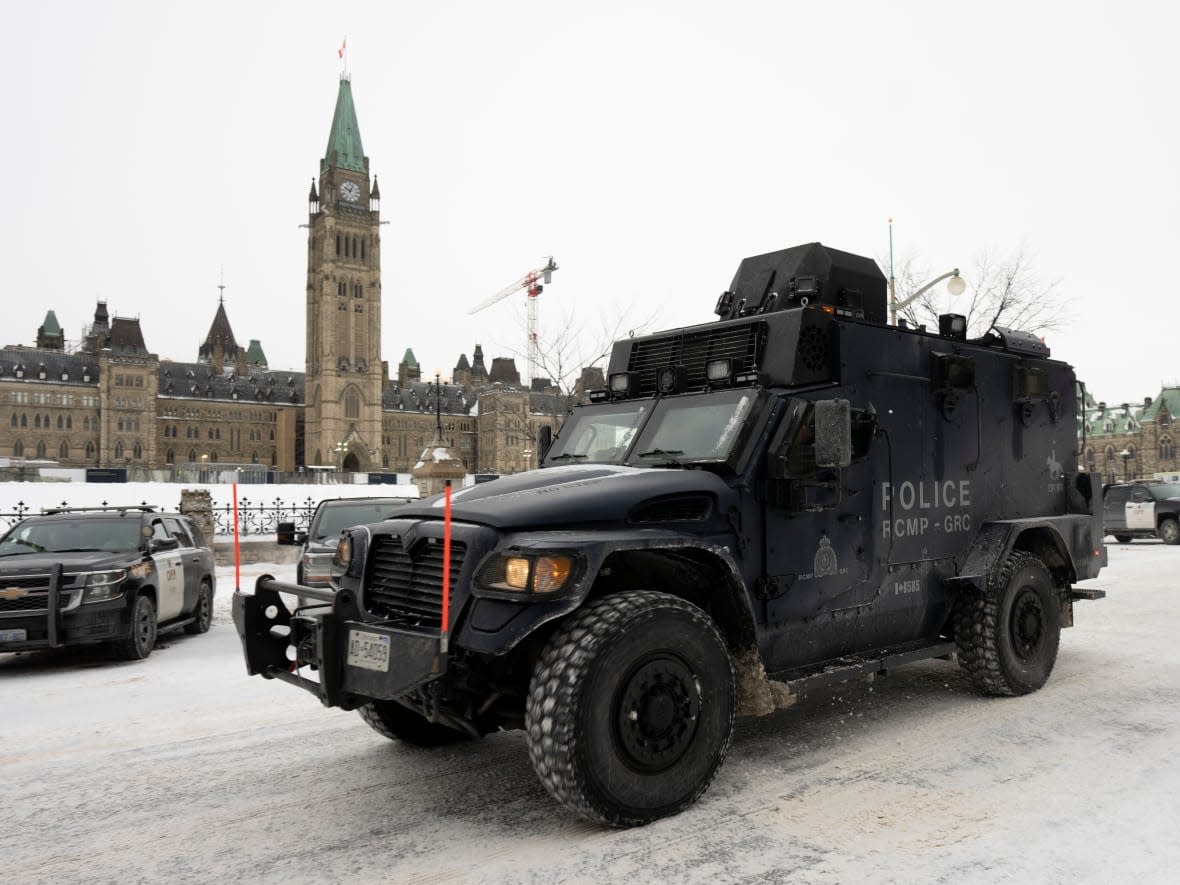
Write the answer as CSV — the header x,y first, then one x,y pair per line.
x,y
819,569
1115,504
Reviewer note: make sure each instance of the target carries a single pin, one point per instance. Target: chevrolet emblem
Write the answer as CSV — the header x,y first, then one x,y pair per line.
x,y
13,593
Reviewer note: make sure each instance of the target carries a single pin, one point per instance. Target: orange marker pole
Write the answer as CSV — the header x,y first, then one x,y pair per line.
x,y
446,587
237,547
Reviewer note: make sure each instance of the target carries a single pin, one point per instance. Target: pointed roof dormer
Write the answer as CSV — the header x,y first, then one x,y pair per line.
x,y
220,336
344,141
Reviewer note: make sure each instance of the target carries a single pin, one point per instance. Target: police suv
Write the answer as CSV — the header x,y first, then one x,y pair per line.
x,y
1143,510
116,575
794,495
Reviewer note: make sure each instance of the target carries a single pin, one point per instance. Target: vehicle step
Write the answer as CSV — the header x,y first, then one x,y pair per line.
x,y
1086,593
802,680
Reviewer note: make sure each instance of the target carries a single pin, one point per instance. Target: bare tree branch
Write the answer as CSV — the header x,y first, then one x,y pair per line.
x,y
1006,290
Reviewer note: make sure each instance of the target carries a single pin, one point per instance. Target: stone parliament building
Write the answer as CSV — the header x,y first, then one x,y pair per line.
x,y
109,401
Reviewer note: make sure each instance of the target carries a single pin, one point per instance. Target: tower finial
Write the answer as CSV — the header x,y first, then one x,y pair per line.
x,y
221,287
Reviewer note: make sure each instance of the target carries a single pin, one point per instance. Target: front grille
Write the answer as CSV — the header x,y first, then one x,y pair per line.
x,y
36,599
741,344
406,586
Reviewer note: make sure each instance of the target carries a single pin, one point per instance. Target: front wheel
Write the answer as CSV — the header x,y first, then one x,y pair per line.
x,y
1008,636
142,639
630,710
1123,539
1170,531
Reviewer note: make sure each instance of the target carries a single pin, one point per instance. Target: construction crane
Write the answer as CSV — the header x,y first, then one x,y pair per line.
x,y
531,282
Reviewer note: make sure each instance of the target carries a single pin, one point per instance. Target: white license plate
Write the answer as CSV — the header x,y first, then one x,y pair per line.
x,y
369,651
13,635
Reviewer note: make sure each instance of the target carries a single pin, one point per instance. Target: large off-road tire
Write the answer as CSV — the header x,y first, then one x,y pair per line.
x,y
142,639
1123,539
1170,531
203,611
630,711
1008,636
399,723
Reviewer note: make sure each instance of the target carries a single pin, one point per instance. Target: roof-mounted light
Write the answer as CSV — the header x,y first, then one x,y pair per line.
x,y
620,383
719,371
670,379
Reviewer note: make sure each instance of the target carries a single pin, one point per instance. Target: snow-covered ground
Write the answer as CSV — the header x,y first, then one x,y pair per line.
x,y
182,768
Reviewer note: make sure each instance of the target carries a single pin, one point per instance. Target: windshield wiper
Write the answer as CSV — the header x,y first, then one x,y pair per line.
x,y
565,456
670,454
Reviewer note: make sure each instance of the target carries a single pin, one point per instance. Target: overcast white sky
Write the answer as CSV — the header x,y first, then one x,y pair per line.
x,y
648,146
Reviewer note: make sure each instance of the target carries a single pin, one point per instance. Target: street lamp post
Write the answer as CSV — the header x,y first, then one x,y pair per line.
x,y
956,286
1126,453
341,449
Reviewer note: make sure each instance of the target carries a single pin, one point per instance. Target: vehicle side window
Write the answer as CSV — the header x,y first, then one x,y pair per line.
x,y
1140,496
177,530
1116,496
159,530
195,533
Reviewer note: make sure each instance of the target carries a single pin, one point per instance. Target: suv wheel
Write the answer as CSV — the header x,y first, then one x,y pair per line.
x,y
138,645
630,711
1008,635
1123,539
203,612
1170,531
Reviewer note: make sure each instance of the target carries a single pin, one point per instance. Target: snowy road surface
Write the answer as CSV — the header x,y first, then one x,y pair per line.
x,y
182,769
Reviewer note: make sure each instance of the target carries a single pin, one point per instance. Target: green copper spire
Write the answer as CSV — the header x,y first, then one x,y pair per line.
x,y
52,326
344,141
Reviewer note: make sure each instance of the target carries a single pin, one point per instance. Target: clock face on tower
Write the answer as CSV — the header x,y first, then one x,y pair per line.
x,y
349,191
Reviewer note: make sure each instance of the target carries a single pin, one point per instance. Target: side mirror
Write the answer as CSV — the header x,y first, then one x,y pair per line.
x,y
158,544
285,533
544,441
833,433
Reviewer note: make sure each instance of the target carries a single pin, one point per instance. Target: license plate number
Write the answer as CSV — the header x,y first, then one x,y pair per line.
x,y
369,651
13,635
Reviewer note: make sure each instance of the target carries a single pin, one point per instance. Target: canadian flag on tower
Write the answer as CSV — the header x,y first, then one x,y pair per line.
x,y
343,46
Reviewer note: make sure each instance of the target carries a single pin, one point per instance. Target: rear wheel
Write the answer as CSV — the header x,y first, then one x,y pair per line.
x,y
1122,539
203,612
1170,531
138,645
1008,636
630,711
399,723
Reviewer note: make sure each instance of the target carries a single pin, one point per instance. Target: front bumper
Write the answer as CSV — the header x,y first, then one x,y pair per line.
x,y
54,618
343,652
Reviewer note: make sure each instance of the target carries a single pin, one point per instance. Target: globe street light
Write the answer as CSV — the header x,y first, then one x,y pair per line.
x,y
1126,453
341,449
956,286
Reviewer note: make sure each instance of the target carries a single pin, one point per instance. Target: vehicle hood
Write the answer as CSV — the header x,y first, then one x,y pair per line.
x,y
39,563
575,494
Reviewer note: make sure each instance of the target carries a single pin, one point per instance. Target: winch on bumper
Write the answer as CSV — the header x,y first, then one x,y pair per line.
x,y
355,660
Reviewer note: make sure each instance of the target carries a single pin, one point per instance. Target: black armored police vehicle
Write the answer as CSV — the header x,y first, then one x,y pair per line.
x,y
793,495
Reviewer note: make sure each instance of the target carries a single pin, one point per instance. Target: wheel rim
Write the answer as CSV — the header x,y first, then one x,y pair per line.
x,y
657,711
204,608
1027,624
1170,531
143,626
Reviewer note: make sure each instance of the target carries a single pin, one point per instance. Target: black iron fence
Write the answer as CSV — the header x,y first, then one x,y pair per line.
x,y
255,517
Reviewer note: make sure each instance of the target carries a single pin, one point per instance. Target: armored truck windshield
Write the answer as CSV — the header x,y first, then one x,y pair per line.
x,y
701,428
